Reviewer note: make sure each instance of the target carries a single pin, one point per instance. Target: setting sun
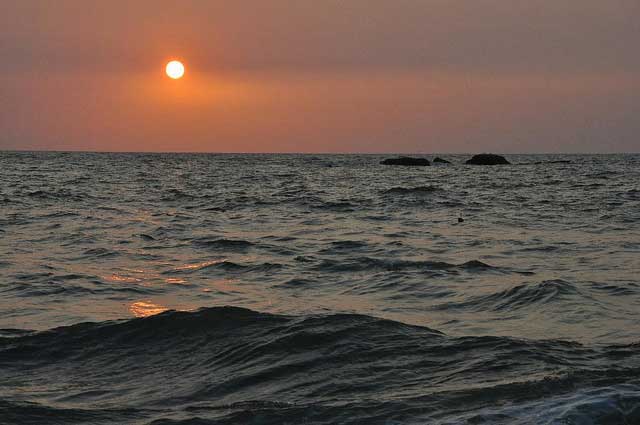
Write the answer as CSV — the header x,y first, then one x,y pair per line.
x,y
175,69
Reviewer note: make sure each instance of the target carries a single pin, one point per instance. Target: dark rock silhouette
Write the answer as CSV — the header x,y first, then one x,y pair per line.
x,y
488,159
406,161
441,161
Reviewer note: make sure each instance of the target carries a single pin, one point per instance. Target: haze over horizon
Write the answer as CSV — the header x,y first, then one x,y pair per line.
x,y
370,76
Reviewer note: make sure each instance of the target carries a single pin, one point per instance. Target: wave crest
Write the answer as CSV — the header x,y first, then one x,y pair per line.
x,y
216,359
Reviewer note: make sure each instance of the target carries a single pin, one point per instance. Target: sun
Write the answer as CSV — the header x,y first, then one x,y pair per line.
x,y
175,69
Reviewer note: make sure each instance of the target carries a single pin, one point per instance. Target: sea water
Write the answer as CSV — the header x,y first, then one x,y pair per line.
x,y
322,289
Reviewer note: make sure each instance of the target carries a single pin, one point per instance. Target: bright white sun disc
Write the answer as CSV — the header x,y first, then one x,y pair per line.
x,y
175,69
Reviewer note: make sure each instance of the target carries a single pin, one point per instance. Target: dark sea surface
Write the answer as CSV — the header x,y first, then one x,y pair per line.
x,y
318,289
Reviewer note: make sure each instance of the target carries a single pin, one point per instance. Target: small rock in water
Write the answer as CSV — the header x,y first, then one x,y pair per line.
x,y
488,159
439,160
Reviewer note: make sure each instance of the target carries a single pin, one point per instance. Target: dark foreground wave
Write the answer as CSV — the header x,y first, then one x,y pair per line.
x,y
229,365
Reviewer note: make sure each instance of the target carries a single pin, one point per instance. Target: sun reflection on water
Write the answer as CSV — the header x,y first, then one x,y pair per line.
x,y
198,266
175,281
119,278
146,309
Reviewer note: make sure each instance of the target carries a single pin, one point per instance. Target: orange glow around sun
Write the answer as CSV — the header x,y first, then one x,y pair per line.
x,y
175,69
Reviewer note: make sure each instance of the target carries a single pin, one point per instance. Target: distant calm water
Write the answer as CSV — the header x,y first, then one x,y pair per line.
x,y
322,289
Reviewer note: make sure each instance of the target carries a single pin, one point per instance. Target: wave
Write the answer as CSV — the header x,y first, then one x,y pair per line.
x,y
370,263
95,253
175,195
222,244
412,190
230,364
225,266
520,296
340,206
17,412
346,246
57,286
12,333
631,194
296,283
315,203
59,214
62,194
630,289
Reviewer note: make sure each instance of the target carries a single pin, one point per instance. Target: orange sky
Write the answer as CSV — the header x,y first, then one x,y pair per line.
x,y
329,76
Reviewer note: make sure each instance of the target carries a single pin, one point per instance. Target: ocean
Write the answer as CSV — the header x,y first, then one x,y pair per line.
x,y
318,289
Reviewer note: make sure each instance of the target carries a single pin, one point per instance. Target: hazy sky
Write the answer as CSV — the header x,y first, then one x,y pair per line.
x,y
321,75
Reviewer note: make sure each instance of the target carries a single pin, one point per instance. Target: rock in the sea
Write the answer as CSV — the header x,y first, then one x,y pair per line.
x,y
488,159
407,161
439,160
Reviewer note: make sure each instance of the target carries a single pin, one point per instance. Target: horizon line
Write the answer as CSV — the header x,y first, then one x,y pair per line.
x,y
304,153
